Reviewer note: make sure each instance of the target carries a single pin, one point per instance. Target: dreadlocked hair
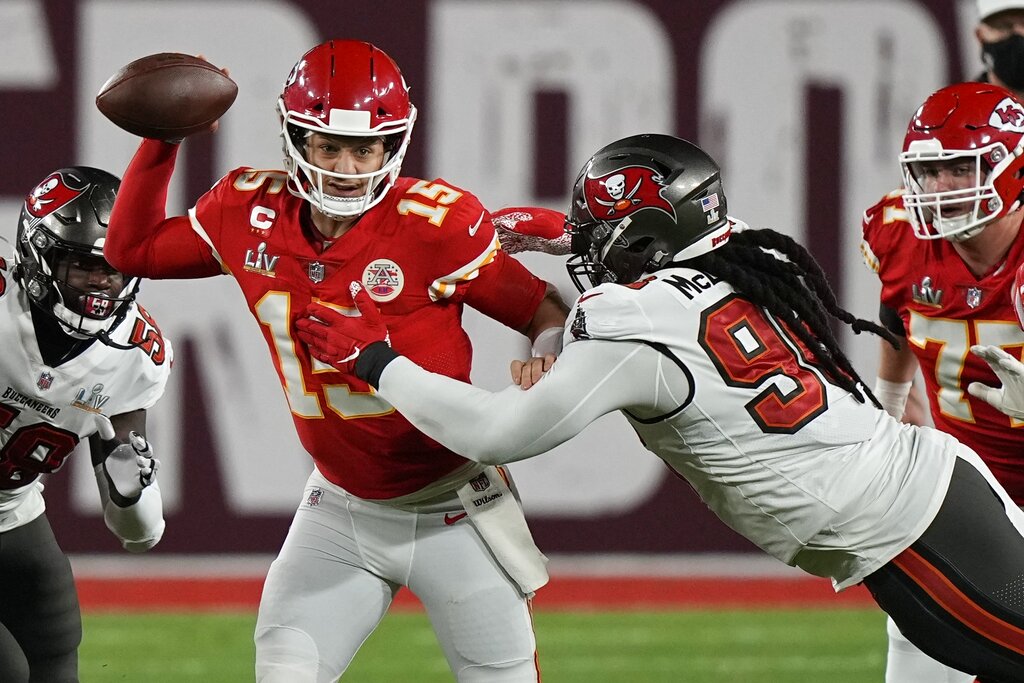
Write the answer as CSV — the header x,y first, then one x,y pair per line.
x,y
797,292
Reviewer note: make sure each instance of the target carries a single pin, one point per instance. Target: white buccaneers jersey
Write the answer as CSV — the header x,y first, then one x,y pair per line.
x,y
728,398
46,411
788,459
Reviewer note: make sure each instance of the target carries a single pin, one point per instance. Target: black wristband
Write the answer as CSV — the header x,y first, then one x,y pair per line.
x,y
372,361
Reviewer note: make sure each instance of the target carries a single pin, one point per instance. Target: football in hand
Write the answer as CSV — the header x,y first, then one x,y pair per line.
x,y
166,96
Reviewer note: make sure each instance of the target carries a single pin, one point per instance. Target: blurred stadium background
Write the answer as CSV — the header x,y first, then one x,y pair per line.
x,y
804,102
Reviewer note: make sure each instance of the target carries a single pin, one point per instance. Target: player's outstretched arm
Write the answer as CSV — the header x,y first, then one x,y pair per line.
x,y
591,379
531,228
1009,398
125,469
141,240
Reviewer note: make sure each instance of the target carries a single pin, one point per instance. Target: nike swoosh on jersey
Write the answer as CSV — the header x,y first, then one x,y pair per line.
x,y
588,296
450,518
476,226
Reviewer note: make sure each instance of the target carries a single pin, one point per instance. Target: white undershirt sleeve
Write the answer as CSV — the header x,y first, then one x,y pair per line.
x,y
590,378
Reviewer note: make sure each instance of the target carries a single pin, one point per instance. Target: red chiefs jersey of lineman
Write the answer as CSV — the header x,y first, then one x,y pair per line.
x,y
945,309
421,253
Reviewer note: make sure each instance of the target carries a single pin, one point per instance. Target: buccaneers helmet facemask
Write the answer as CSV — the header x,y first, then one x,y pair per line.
x,y
963,161
351,89
63,225
640,204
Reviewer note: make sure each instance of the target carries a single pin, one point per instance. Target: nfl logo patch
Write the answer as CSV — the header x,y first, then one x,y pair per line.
x,y
45,381
316,272
480,482
313,499
973,297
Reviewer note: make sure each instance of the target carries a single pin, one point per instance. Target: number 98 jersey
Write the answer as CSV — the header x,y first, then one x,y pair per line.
x,y
780,453
421,253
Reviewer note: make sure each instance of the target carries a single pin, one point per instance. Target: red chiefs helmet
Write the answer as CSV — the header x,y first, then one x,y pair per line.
x,y
349,88
981,125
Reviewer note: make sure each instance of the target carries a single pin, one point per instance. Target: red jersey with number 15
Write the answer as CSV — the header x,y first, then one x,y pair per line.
x,y
945,309
421,253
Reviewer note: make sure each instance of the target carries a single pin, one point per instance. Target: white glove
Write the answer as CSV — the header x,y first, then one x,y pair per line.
x,y
129,467
1009,398
129,492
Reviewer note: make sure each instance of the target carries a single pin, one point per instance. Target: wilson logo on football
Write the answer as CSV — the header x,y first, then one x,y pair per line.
x,y
50,195
618,194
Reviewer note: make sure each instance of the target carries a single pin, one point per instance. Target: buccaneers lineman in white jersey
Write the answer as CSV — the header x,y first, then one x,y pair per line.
x,y
714,341
81,360
384,506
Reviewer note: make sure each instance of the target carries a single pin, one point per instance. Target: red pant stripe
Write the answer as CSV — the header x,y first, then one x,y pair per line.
x,y
962,607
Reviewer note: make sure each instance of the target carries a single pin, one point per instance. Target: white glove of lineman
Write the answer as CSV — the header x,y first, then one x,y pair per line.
x,y
1009,398
129,467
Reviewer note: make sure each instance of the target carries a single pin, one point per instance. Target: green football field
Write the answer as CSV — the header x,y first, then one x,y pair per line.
x,y
776,646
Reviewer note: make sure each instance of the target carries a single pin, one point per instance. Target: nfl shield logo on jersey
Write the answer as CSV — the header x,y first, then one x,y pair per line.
x,y
973,297
45,381
316,272
315,494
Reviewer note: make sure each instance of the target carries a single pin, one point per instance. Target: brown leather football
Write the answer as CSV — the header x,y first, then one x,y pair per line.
x,y
166,96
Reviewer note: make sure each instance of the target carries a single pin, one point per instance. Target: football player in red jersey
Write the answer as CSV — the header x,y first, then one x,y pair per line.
x,y
715,342
383,508
81,361
946,248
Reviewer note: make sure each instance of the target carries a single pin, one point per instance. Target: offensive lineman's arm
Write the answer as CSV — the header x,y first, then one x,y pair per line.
x,y
126,479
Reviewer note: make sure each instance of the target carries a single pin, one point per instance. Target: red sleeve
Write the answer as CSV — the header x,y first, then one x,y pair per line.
x,y
141,240
506,291
888,248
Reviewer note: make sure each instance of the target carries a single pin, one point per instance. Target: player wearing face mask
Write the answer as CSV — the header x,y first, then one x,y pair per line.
x,y
1000,32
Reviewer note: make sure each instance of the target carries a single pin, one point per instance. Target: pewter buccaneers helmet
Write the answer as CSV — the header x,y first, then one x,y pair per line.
x,y
350,88
981,124
641,203
67,215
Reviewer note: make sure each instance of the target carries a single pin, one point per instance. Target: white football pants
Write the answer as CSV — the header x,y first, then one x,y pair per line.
x,y
343,561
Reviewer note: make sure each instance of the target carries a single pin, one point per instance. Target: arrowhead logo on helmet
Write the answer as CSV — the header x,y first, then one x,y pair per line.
x,y
616,195
1008,115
